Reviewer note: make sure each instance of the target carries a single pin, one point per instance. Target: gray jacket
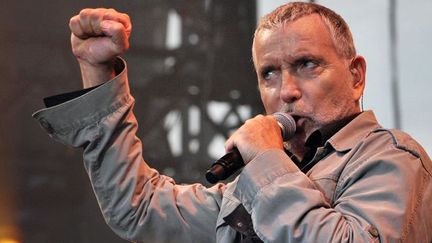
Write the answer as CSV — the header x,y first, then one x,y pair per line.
x,y
370,185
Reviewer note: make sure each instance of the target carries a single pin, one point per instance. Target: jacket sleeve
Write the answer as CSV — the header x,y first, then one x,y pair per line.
x,y
383,196
137,202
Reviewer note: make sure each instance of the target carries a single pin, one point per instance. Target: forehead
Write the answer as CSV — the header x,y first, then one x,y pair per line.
x,y
306,34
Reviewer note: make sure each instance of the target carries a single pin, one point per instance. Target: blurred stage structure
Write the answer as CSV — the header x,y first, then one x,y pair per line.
x,y
190,70
195,87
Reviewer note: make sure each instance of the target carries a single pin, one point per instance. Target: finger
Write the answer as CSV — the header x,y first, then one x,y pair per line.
x,y
229,145
90,20
124,19
85,22
116,31
95,19
75,27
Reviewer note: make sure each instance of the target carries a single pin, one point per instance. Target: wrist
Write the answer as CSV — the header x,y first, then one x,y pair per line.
x,y
95,74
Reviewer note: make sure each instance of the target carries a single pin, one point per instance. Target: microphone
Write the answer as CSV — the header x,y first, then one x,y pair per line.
x,y
232,161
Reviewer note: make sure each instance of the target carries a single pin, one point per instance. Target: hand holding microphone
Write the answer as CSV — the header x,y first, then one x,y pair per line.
x,y
264,138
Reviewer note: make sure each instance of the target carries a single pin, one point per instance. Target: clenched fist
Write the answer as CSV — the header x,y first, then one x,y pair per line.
x,y
98,37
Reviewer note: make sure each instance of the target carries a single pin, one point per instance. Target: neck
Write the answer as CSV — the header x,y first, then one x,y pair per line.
x,y
302,142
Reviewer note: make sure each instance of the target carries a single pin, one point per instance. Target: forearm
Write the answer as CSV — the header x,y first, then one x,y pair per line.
x,y
93,75
371,203
135,200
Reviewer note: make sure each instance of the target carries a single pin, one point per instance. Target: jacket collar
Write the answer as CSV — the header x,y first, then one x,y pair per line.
x,y
349,135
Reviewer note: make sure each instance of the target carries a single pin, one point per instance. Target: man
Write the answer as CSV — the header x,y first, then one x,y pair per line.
x,y
341,178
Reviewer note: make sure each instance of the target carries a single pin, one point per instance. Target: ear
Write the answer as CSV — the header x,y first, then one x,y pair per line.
x,y
358,72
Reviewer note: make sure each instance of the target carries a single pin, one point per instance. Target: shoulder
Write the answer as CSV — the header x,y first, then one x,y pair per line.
x,y
397,145
400,140
385,156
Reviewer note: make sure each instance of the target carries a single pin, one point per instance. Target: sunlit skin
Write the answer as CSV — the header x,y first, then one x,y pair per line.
x,y
300,72
98,36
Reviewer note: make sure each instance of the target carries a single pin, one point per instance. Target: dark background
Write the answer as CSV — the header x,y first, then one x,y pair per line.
x,y
45,195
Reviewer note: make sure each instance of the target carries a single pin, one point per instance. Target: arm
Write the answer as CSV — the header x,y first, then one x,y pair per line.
x,y
381,196
136,201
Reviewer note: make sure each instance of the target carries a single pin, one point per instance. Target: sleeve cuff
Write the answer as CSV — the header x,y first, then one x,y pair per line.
x,y
61,98
262,171
87,108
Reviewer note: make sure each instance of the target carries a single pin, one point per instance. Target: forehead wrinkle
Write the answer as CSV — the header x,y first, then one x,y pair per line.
x,y
299,46
306,32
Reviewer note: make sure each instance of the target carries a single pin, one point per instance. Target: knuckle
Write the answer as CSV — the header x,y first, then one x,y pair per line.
x,y
111,11
85,12
74,26
258,117
93,16
73,21
126,16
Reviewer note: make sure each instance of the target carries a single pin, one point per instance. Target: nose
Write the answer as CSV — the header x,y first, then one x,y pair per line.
x,y
290,90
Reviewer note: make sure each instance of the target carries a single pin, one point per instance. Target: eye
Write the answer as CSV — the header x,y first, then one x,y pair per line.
x,y
268,73
307,64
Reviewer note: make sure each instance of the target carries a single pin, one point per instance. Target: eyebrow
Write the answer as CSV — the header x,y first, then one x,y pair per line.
x,y
306,57
293,60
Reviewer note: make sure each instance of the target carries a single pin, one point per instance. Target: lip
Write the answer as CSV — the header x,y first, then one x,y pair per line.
x,y
294,116
299,120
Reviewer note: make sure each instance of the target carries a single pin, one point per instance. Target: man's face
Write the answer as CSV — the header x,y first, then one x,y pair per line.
x,y
300,72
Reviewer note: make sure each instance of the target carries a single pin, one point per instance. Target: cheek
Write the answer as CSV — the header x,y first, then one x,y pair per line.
x,y
333,86
270,99
335,96
322,96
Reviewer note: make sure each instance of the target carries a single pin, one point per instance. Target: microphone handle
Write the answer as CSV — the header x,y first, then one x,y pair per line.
x,y
232,161
225,166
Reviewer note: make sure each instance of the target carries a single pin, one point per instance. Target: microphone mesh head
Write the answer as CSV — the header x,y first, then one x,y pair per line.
x,y
287,125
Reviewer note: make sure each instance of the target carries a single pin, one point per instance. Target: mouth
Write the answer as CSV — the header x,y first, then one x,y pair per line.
x,y
299,120
296,117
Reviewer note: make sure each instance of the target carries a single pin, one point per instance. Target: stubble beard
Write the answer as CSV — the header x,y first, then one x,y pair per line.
x,y
309,120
